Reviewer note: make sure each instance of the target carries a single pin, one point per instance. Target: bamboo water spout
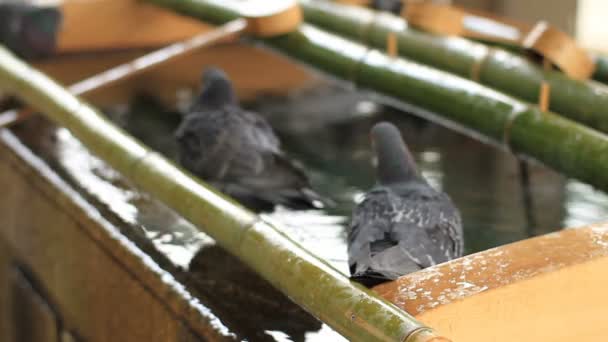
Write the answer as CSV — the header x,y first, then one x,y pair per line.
x,y
582,101
350,309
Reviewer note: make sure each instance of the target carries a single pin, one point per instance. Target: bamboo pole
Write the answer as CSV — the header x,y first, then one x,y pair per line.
x,y
582,101
474,109
349,308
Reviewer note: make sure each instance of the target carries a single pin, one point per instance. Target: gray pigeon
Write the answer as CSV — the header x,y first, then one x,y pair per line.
x,y
403,224
238,152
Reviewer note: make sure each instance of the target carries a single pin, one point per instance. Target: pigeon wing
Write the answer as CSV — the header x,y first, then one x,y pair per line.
x,y
207,144
428,229
392,236
370,228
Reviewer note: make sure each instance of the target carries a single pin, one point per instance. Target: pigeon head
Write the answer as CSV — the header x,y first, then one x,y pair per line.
x,y
216,91
395,162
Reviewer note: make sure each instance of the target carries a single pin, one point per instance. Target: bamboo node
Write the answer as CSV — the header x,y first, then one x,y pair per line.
x,y
545,88
506,132
392,48
354,71
477,67
544,97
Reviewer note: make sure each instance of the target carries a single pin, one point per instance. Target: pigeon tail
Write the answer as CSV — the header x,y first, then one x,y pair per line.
x,y
308,199
395,162
370,279
265,201
385,264
217,91
302,199
297,192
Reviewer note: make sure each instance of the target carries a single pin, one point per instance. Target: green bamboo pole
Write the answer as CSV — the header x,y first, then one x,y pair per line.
x,y
600,74
352,310
565,145
582,101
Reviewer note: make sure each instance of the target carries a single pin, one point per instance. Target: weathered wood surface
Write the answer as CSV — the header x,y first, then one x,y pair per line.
x,y
101,285
120,24
550,288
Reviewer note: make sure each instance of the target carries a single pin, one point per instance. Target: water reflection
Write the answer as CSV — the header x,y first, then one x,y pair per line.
x,y
247,304
95,177
322,233
583,204
172,235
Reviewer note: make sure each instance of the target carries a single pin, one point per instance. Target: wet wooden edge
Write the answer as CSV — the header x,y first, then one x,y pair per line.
x,y
441,285
158,282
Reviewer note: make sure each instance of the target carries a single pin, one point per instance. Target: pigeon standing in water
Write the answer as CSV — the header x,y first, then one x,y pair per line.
x,y
237,151
403,224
